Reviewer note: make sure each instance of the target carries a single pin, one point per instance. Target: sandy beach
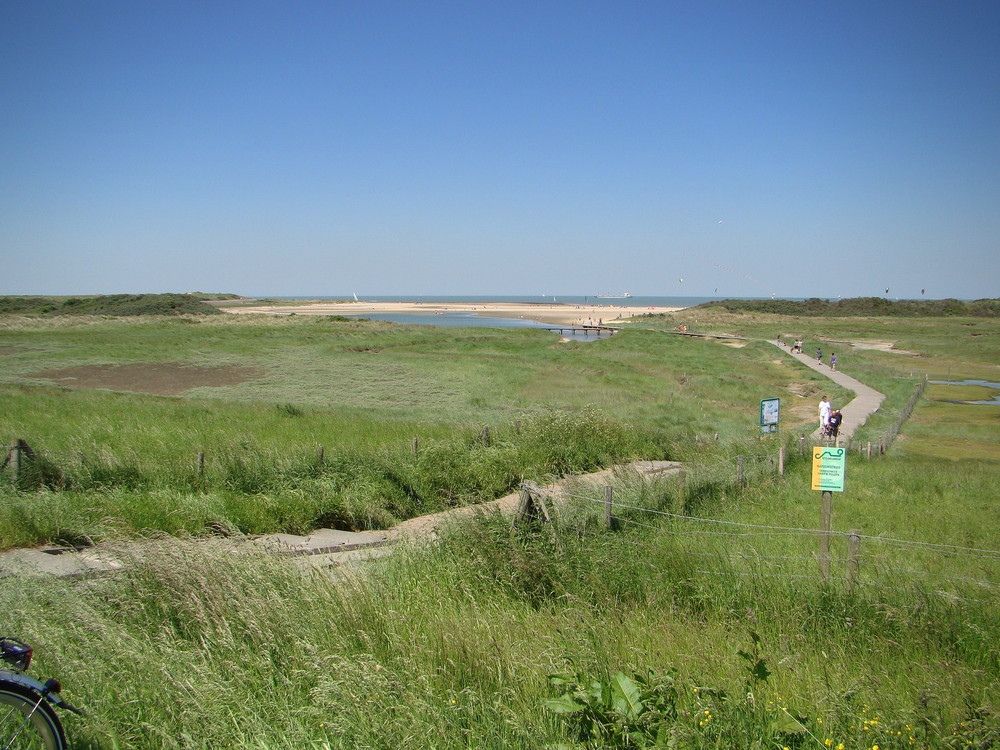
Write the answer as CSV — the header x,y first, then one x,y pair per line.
x,y
546,313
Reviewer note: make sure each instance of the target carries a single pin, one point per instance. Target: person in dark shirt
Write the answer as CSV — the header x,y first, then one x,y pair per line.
x,y
834,425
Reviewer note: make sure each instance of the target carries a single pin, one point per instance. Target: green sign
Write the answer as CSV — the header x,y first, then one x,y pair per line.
x,y
770,415
829,467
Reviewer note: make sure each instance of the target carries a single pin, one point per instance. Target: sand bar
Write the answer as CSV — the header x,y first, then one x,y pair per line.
x,y
546,313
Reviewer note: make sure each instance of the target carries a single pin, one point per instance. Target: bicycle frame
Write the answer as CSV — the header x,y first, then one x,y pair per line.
x,y
48,690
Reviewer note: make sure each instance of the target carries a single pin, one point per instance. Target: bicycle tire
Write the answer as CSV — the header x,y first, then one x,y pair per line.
x,y
26,724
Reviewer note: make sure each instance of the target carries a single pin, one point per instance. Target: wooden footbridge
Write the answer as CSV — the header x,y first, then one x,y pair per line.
x,y
600,330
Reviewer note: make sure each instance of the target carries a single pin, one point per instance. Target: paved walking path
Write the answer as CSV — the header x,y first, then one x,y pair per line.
x,y
866,400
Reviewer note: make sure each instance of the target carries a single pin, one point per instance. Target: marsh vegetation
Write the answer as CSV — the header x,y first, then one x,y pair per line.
x,y
647,636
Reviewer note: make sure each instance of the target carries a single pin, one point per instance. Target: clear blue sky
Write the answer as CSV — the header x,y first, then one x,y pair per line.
x,y
322,148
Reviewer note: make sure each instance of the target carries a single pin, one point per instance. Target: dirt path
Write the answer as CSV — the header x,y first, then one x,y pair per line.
x,y
323,548
426,526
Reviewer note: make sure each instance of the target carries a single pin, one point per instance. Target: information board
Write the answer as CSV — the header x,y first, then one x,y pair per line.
x,y
829,467
770,414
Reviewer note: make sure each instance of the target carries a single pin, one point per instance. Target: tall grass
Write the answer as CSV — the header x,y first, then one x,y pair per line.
x,y
203,645
363,392
252,490
734,638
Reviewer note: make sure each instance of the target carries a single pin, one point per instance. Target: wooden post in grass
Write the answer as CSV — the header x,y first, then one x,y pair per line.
x,y
319,455
826,513
17,454
802,444
739,471
484,436
853,548
532,507
609,520
781,461
828,471
201,463
869,449
523,504
15,462
681,477
415,446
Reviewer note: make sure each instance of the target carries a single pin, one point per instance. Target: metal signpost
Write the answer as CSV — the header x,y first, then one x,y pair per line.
x,y
828,469
770,415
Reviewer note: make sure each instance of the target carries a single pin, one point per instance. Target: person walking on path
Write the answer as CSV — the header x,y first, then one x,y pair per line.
x,y
819,355
833,360
833,426
866,400
824,412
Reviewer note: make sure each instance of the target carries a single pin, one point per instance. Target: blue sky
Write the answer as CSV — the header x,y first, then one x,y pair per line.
x,y
323,148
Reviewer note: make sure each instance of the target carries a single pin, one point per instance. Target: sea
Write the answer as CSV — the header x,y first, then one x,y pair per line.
x,y
471,320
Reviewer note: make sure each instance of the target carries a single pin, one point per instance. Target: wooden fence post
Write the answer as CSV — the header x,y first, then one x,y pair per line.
x,y
485,435
17,454
608,502
781,461
869,449
739,471
15,462
853,548
802,444
681,476
523,504
319,455
201,463
532,506
415,446
826,513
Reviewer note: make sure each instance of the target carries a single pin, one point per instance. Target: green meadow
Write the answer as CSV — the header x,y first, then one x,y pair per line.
x,y
116,456
699,621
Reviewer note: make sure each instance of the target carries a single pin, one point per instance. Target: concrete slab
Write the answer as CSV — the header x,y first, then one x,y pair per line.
x,y
334,560
322,541
61,563
656,467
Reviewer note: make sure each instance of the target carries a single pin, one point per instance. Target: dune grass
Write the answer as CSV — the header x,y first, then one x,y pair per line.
x,y
195,645
363,392
653,635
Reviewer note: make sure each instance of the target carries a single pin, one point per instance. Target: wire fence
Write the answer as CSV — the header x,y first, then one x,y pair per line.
x,y
882,442
850,559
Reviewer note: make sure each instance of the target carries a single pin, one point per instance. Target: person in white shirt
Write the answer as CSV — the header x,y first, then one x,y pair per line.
x,y
824,411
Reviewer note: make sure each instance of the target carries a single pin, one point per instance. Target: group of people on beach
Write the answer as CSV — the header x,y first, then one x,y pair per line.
x,y
829,419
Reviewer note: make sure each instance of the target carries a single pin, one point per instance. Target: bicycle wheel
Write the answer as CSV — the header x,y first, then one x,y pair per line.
x,y
26,724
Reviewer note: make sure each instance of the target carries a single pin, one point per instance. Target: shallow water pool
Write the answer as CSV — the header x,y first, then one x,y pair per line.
x,y
982,383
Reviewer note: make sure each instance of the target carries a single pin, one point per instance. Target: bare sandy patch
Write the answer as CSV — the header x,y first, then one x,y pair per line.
x,y
880,346
162,379
553,313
